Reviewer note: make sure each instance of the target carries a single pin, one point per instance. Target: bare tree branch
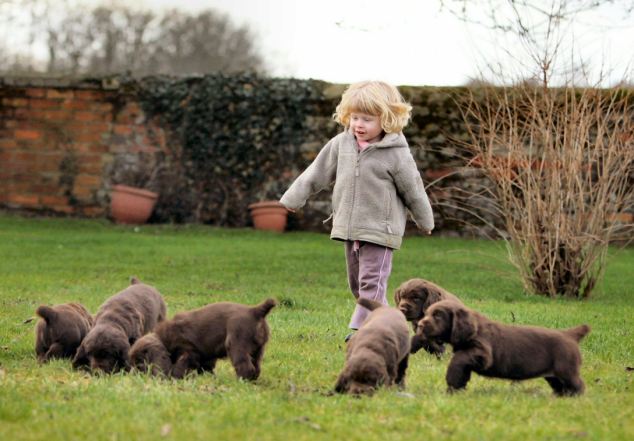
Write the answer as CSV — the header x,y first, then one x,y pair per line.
x,y
107,40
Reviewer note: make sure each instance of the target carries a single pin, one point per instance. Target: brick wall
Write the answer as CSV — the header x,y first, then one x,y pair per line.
x,y
57,139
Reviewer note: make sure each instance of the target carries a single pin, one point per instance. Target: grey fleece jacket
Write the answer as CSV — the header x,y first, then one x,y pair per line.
x,y
373,189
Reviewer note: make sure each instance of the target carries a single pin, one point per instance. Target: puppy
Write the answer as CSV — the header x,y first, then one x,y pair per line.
x,y
494,349
377,353
195,339
148,354
413,298
61,330
120,321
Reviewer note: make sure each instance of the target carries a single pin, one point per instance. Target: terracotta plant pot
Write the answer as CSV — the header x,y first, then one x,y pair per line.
x,y
269,215
131,205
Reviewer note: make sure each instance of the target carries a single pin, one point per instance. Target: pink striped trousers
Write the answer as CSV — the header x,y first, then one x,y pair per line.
x,y
369,267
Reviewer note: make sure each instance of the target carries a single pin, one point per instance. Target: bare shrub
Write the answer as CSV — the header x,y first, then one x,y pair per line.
x,y
560,159
562,165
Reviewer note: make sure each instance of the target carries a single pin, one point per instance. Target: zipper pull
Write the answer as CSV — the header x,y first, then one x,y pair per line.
x,y
356,169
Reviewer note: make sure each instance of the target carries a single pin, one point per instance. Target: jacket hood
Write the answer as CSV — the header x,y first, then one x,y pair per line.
x,y
389,140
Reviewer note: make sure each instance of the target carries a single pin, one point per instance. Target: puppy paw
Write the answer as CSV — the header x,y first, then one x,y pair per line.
x,y
416,344
454,390
438,351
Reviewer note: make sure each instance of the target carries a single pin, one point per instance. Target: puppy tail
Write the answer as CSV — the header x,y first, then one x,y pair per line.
x,y
261,310
578,332
369,304
46,312
134,280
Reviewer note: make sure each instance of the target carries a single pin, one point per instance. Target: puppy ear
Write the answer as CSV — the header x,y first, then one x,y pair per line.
x,y
80,358
125,361
124,358
397,296
342,384
432,294
463,328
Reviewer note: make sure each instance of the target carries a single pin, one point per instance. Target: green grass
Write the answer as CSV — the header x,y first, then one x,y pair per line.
x,y
56,260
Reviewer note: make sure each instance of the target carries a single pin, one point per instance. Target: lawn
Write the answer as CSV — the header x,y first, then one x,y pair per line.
x,y
49,261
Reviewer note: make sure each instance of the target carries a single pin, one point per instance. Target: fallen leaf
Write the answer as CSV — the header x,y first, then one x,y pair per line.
x,y
166,430
29,320
305,420
629,368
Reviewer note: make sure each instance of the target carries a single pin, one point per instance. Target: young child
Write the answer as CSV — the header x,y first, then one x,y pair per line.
x,y
376,181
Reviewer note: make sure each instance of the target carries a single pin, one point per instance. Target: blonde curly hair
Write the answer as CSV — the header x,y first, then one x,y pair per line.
x,y
374,98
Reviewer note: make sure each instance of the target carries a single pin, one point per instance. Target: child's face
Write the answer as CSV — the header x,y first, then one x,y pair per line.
x,y
366,127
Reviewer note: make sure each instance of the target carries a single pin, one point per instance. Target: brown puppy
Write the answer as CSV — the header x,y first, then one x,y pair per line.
x,y
377,353
148,354
120,321
413,298
61,330
497,350
196,339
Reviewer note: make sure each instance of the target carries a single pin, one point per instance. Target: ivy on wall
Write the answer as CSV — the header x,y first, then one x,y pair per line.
x,y
235,137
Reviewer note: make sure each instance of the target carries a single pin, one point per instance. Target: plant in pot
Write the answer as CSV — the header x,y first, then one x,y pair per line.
x,y
135,179
268,213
